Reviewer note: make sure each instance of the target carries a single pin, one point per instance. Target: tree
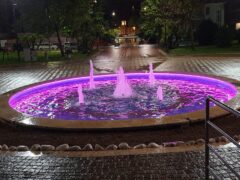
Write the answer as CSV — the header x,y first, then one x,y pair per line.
x,y
167,15
189,11
57,13
79,19
86,23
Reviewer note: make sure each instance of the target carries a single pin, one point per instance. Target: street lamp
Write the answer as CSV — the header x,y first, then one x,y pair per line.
x,y
124,23
14,7
113,13
238,26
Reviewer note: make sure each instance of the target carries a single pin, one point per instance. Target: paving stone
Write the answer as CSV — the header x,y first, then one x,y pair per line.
x,y
63,147
22,148
187,165
74,148
47,148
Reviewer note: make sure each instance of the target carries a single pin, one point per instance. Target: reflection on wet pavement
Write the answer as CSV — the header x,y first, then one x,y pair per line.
x,y
106,61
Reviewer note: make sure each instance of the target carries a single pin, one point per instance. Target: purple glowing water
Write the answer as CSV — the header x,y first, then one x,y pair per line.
x,y
152,79
123,88
160,93
182,93
80,95
92,83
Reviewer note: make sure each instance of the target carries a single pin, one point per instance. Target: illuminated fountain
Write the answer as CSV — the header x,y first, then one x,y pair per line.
x,y
80,95
152,79
92,83
123,88
160,93
121,96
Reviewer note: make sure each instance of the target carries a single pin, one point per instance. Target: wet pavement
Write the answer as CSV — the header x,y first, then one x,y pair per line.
x,y
219,66
157,166
187,165
107,60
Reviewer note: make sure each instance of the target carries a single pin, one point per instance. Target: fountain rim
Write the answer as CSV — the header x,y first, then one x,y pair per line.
x,y
9,115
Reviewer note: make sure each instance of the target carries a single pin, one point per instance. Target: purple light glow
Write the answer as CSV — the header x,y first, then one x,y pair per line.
x,y
181,93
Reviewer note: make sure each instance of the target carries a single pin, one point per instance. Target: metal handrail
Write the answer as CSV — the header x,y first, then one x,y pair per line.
x,y
208,147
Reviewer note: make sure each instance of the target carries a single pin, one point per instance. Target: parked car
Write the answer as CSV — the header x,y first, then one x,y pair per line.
x,y
72,46
46,46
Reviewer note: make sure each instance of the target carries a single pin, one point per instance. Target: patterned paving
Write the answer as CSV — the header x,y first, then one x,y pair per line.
x,y
221,66
186,166
106,61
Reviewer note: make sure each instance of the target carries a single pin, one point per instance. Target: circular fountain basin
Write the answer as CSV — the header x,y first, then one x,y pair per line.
x,y
56,104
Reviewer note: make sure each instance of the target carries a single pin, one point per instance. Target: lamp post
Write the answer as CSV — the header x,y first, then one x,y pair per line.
x,y
113,14
14,7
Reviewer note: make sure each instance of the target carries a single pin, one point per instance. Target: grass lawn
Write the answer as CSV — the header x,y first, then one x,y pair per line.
x,y
12,57
206,50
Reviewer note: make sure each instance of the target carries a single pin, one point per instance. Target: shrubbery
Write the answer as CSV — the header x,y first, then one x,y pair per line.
x,y
206,33
224,37
238,36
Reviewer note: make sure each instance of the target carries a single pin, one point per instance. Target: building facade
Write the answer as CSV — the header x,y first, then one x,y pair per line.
x,y
5,16
215,12
222,12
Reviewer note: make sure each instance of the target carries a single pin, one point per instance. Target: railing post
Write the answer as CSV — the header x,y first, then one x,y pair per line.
x,y
207,139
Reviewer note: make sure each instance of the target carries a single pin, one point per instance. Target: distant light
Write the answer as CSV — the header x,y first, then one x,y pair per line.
x,y
238,26
95,1
145,8
134,28
124,23
113,13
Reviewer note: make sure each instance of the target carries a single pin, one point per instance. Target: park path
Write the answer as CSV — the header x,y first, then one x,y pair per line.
x,y
107,60
220,66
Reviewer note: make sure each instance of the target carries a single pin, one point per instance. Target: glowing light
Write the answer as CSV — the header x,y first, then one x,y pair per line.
x,y
124,23
238,26
113,13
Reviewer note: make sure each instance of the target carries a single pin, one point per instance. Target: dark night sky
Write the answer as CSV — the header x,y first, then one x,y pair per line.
x,y
124,8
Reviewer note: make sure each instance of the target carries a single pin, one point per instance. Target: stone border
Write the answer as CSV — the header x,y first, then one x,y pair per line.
x,y
9,115
167,147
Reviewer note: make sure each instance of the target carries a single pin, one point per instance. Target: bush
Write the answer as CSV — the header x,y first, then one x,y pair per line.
x,y
238,36
224,37
206,33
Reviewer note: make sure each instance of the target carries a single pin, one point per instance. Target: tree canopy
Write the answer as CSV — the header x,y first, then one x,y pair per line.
x,y
166,16
78,19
